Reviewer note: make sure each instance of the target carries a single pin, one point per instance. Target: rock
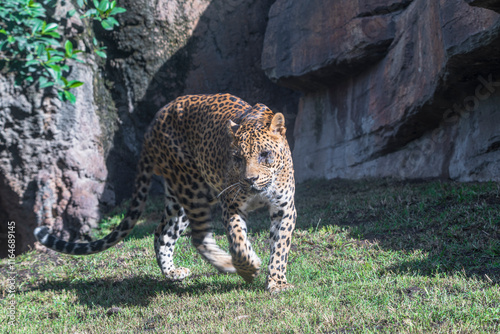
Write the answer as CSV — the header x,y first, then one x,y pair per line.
x,y
308,44
52,157
49,152
389,114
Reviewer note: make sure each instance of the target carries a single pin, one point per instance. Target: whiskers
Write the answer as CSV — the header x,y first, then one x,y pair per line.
x,y
236,195
234,188
232,192
231,188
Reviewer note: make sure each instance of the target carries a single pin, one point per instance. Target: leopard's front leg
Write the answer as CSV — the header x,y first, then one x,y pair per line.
x,y
245,260
282,225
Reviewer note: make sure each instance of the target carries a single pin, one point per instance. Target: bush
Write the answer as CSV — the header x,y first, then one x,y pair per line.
x,y
32,47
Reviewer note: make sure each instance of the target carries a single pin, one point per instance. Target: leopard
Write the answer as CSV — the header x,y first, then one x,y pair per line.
x,y
209,149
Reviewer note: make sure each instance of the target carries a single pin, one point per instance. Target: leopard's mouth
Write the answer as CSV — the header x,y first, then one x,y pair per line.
x,y
255,188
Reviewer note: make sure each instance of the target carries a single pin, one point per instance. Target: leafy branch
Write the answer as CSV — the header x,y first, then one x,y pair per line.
x,y
32,47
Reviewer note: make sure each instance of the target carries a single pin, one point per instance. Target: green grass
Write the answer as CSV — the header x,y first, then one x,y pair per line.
x,y
367,256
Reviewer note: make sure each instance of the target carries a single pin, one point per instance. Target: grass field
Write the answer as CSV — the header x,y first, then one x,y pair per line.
x,y
371,256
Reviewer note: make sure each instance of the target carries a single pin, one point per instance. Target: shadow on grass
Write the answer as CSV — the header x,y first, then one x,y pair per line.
x,y
137,290
451,227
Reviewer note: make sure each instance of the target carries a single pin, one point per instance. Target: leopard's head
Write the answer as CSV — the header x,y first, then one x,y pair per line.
x,y
258,151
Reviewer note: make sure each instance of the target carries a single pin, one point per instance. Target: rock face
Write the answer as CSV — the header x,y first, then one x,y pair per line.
x,y
62,164
390,88
52,166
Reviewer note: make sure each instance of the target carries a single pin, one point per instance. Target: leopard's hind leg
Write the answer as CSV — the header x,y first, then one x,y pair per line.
x,y
203,239
204,242
172,224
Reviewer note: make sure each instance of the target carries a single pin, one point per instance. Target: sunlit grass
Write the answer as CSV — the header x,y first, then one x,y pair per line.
x,y
367,256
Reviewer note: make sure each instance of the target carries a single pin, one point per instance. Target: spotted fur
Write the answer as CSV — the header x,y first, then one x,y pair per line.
x,y
209,148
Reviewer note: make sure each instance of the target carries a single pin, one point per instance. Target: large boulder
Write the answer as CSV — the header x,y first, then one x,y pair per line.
x,y
52,157
53,171
390,88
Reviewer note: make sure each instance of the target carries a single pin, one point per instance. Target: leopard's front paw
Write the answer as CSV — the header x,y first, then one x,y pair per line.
x,y
248,274
278,286
178,274
248,271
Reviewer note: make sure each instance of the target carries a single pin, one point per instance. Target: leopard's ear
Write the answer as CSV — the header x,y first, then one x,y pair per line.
x,y
232,128
277,126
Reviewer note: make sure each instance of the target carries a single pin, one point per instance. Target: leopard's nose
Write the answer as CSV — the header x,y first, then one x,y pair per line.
x,y
252,179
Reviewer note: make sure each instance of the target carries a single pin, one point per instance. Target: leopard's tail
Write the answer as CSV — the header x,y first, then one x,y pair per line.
x,y
142,184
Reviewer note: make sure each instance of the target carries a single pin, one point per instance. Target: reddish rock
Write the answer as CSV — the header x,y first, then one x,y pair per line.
x,y
48,151
389,113
310,43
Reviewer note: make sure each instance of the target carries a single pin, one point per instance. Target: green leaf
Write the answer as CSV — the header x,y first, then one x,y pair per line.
x,y
106,25
74,84
50,27
54,71
71,13
36,26
69,97
56,68
75,58
101,53
40,50
52,34
57,53
3,44
117,10
112,21
32,62
39,11
43,82
33,4
90,12
104,6
21,43
54,59
79,3
68,46
49,41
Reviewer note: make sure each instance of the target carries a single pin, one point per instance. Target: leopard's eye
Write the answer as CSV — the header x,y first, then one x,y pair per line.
x,y
237,158
265,157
